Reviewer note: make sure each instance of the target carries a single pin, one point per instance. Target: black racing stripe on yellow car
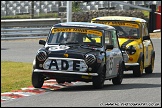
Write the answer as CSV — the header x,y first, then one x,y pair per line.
x,y
125,43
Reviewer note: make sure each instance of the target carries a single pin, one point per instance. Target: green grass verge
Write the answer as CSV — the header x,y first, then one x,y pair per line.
x,y
15,75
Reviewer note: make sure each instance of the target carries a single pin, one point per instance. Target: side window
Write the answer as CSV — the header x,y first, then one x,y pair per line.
x,y
114,38
146,29
111,38
108,37
143,30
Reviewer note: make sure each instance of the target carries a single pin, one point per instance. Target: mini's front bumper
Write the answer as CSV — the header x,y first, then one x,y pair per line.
x,y
65,72
131,64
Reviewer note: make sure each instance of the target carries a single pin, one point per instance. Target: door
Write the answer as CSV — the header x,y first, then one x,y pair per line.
x,y
147,46
110,55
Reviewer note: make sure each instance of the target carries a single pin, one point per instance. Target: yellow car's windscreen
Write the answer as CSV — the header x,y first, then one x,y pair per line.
x,y
125,29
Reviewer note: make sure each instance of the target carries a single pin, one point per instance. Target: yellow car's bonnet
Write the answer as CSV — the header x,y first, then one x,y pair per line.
x,y
124,42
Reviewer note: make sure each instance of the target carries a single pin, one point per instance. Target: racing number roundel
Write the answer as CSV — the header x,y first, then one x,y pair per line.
x,y
110,65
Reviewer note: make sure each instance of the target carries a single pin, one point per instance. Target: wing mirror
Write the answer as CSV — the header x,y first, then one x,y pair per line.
x,y
42,42
146,38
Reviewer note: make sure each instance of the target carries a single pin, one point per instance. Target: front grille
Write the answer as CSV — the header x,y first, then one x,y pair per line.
x,y
41,55
65,64
90,59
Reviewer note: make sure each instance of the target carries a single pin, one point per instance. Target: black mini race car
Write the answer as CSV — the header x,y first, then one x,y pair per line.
x,y
79,51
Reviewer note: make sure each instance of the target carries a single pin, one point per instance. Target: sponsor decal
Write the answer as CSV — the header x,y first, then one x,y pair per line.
x,y
118,23
111,64
58,48
78,30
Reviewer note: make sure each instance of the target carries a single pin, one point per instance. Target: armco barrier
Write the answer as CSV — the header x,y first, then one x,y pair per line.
x,y
27,27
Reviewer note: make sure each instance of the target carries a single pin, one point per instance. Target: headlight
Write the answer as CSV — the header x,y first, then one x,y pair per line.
x,y
90,59
41,55
131,50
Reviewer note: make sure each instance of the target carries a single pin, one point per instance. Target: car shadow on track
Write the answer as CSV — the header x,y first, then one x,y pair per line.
x,y
4,48
144,75
107,87
81,86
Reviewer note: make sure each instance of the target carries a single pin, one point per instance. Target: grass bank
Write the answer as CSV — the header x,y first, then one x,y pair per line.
x,y
15,75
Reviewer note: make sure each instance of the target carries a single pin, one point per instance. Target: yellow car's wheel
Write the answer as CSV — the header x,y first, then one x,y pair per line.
x,y
138,70
150,68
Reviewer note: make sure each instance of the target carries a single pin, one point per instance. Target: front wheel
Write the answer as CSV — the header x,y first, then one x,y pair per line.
x,y
118,80
98,82
150,68
138,70
37,80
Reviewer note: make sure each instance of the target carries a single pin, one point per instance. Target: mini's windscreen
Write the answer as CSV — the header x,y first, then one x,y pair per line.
x,y
75,35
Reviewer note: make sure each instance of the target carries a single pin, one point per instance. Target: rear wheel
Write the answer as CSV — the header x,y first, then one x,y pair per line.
x,y
138,70
37,80
150,68
118,80
98,82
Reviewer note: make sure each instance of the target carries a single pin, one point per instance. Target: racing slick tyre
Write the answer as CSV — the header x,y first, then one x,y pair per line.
x,y
150,68
118,80
98,81
138,70
37,80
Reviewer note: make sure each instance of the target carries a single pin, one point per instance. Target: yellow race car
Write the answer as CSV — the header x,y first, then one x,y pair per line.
x,y
134,38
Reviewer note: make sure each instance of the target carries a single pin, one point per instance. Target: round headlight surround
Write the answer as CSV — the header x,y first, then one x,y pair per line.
x,y
41,55
131,50
90,59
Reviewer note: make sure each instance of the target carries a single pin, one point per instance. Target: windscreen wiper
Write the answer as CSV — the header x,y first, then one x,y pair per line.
x,y
68,43
90,46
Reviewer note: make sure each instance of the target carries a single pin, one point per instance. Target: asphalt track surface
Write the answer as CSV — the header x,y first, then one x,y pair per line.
x,y
140,92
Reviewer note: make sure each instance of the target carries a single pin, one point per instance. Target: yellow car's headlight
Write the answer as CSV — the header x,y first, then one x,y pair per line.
x,y
131,50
